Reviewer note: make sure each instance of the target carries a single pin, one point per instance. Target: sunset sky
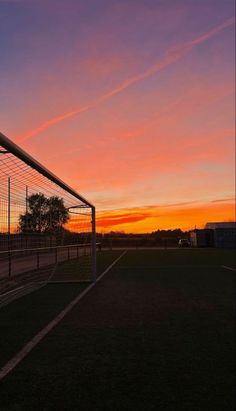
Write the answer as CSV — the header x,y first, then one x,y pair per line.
x,y
131,102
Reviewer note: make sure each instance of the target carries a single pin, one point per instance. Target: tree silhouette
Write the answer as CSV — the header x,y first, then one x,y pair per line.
x,y
44,215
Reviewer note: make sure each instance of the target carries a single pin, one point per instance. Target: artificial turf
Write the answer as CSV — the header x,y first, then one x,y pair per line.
x,y
26,316
156,333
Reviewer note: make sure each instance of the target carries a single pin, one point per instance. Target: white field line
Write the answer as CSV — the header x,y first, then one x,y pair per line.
x,y
14,361
228,268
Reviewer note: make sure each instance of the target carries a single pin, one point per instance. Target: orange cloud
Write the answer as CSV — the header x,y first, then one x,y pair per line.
x,y
111,220
156,161
171,56
183,215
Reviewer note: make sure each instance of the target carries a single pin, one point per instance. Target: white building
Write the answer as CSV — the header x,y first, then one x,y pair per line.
x,y
224,234
220,235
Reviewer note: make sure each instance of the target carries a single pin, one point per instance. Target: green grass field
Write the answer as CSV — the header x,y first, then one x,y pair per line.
x,y
156,333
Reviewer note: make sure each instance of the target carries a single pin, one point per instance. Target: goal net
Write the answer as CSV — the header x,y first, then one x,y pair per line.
x,y
47,229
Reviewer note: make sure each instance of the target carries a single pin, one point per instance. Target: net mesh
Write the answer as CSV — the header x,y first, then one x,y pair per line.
x,y
43,229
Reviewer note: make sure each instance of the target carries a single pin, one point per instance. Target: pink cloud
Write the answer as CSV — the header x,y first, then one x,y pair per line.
x,y
53,121
171,56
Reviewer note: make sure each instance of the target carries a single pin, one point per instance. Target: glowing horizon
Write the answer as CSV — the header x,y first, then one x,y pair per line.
x,y
152,218
130,103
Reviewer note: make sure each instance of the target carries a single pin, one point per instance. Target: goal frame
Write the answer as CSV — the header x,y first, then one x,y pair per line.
x,y
14,149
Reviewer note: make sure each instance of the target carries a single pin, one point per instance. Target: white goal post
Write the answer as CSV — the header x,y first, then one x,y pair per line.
x,y
43,221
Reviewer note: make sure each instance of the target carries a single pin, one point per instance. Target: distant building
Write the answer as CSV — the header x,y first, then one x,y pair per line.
x,y
224,234
202,238
220,235
214,226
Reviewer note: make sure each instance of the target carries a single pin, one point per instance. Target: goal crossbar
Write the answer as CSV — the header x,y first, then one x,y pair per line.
x,y
26,158
11,209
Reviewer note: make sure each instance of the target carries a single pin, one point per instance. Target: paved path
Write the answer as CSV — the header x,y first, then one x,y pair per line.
x,y
31,262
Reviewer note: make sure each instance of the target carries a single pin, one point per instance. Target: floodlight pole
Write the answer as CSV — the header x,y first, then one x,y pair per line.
x,y
94,273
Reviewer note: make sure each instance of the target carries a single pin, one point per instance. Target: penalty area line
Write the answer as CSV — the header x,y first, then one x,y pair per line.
x,y
228,268
14,361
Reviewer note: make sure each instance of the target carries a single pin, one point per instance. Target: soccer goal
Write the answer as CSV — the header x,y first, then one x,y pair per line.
x,y
47,229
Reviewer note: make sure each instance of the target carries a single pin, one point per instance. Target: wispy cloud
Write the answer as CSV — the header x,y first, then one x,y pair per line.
x,y
55,120
223,200
146,219
181,215
171,56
